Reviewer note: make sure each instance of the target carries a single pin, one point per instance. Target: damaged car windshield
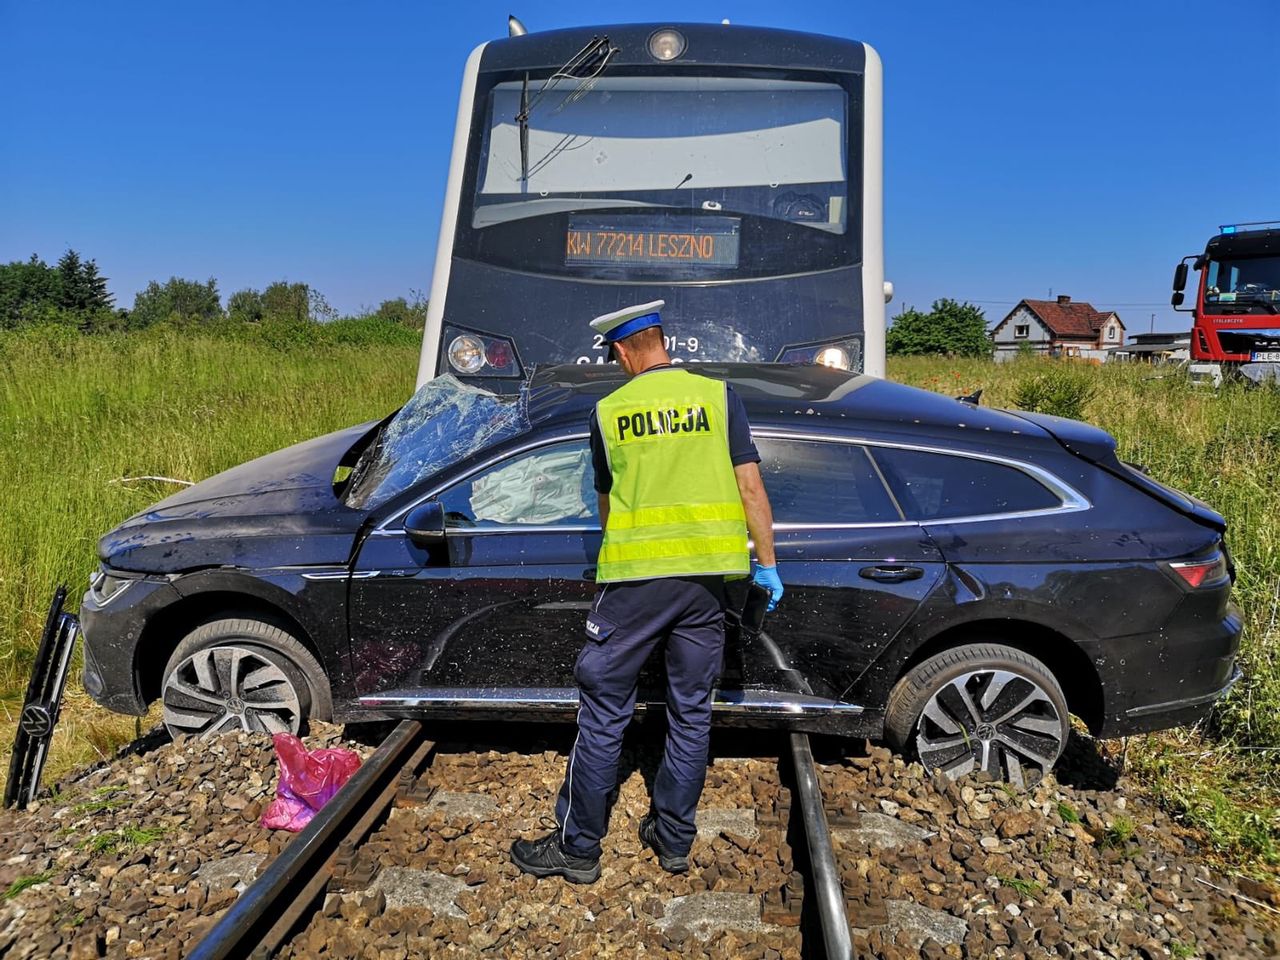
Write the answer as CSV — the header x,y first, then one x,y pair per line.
x,y
444,422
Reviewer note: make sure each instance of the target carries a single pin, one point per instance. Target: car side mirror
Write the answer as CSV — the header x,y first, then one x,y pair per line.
x,y
1177,298
424,524
1180,276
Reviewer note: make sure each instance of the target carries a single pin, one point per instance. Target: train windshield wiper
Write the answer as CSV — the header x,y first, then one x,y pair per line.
x,y
585,66
522,118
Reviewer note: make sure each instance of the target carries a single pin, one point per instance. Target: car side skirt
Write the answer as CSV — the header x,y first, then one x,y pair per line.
x,y
749,708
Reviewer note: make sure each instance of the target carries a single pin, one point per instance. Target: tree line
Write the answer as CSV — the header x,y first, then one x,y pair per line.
x,y
73,293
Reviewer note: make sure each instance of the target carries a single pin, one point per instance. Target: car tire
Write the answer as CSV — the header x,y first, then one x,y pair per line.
x,y
242,674
980,706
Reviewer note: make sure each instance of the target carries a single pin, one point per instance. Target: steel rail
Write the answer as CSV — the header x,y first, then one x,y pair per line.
x,y
827,887
263,916
279,900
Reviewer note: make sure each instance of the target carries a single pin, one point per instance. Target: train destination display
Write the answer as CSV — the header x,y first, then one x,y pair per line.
x,y
711,241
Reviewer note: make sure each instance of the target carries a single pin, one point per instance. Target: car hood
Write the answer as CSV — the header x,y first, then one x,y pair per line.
x,y
277,510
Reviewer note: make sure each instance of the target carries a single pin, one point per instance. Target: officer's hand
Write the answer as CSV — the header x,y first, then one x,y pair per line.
x,y
767,577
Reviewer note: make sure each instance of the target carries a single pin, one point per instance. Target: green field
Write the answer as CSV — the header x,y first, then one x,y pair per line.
x,y
80,414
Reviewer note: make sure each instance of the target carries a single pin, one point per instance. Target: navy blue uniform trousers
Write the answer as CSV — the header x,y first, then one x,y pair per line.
x,y
627,621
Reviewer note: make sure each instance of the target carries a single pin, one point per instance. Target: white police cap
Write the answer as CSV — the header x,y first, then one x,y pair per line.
x,y
623,323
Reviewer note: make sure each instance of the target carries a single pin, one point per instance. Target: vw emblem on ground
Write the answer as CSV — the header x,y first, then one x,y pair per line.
x,y
36,721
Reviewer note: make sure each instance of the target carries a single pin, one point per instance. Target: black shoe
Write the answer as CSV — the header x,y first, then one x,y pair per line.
x,y
545,858
670,862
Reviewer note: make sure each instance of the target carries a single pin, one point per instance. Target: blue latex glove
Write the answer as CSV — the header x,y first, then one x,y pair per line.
x,y
767,577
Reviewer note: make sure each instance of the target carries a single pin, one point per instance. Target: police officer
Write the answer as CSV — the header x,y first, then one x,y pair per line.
x,y
679,487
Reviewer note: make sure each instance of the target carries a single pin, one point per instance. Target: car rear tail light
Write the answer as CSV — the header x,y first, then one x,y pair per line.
x,y
475,354
1196,573
844,354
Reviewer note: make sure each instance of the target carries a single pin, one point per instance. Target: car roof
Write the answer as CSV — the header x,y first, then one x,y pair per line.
x,y
788,395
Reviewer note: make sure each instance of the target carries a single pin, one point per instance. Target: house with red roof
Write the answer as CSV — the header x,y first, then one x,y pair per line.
x,y
1058,328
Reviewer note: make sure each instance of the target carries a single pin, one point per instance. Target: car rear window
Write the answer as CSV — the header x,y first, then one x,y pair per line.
x,y
941,486
812,481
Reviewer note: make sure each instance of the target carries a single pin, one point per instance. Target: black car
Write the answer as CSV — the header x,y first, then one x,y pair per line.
x,y
959,579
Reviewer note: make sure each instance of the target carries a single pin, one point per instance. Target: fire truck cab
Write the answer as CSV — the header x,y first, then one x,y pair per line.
x,y
1236,325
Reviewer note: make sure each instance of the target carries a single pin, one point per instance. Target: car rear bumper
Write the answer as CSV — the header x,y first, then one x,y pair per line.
x,y
1177,686
1177,713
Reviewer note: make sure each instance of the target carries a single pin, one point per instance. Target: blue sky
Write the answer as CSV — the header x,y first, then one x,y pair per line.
x,y
1080,147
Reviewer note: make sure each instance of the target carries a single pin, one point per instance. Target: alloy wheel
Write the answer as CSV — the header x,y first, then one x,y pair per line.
x,y
226,688
991,720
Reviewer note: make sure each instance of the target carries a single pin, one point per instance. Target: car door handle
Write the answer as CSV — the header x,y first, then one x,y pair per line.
x,y
589,574
893,574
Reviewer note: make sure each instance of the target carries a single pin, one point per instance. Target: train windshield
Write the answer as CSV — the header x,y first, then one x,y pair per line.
x,y
768,148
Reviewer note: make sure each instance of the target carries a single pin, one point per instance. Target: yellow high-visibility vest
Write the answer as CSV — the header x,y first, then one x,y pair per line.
x,y
674,507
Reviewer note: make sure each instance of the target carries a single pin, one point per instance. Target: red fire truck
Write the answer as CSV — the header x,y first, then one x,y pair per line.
x,y
1236,327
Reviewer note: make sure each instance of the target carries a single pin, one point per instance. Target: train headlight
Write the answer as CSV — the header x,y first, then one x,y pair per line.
x,y
473,353
842,354
666,44
832,357
466,354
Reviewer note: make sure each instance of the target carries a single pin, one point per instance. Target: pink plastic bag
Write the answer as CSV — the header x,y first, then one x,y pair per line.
x,y
307,780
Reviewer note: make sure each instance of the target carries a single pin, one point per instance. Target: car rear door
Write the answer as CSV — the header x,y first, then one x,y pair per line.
x,y
854,569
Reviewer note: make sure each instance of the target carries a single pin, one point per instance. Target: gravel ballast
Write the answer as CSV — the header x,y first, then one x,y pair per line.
x,y
139,857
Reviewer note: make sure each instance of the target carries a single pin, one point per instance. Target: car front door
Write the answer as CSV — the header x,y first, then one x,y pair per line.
x,y
494,612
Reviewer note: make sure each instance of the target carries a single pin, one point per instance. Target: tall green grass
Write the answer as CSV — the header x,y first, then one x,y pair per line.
x,y
79,415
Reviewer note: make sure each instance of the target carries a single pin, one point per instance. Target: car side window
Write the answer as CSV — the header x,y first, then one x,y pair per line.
x,y
813,481
549,486
940,486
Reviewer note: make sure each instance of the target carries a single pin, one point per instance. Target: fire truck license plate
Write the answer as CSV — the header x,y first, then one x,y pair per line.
x,y
1266,356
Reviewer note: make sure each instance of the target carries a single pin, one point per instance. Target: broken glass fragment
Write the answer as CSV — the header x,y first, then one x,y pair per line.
x,y
443,423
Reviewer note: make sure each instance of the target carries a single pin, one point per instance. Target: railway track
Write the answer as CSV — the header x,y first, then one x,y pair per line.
x,y
287,890
405,796
142,857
